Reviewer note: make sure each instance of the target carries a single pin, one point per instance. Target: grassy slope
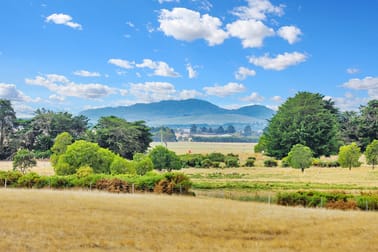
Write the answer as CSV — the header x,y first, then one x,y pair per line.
x,y
32,220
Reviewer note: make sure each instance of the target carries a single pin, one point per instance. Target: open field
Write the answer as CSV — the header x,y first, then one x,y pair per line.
x,y
44,220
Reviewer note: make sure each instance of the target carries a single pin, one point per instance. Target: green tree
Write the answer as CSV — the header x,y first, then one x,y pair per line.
x,y
122,137
261,146
83,153
122,166
368,130
300,157
162,158
305,119
23,160
349,126
60,146
349,156
7,121
371,153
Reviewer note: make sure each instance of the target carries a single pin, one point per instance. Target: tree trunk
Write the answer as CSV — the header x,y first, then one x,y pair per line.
x,y
302,169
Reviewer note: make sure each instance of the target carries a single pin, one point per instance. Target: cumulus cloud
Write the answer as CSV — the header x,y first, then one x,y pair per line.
x,y
192,73
349,102
277,98
368,83
153,91
258,9
189,94
290,33
122,63
280,62
60,85
160,68
251,32
10,92
57,98
352,70
253,97
63,19
85,73
243,73
189,25
226,90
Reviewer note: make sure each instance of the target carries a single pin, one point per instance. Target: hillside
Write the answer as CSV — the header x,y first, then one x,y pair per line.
x,y
184,112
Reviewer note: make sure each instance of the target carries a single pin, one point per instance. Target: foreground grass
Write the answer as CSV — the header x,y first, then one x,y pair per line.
x,y
46,220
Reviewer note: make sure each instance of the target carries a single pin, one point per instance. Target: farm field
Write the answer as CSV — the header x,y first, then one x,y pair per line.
x,y
41,220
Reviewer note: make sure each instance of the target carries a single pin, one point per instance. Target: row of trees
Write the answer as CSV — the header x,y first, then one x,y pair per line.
x,y
38,133
312,120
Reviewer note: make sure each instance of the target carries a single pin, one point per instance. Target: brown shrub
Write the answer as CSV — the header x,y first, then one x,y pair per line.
x,y
113,185
342,205
164,186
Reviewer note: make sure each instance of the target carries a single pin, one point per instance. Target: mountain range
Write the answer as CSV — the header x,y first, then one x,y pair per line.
x,y
185,112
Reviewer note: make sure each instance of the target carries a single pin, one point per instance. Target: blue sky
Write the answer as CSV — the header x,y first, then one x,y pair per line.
x,y
74,55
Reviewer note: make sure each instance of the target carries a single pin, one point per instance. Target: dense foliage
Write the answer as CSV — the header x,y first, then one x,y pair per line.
x,y
122,137
349,156
306,119
371,153
23,160
162,158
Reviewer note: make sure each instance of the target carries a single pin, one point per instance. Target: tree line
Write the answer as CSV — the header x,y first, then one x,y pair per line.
x,y
37,134
312,121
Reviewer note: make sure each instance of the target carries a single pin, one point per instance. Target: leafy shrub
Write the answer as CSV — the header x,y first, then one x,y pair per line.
x,y
250,162
173,183
232,161
84,171
11,177
31,180
122,166
206,163
216,164
113,185
42,154
270,163
143,164
285,162
162,158
216,157
368,201
191,160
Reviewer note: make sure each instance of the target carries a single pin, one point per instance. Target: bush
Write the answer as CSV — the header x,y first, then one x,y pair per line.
x,y
191,160
368,201
285,162
250,162
216,157
270,163
113,185
162,158
31,180
206,163
342,205
143,165
11,177
173,183
122,166
232,161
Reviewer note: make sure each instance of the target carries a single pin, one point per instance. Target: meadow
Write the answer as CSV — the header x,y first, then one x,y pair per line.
x,y
79,220
47,220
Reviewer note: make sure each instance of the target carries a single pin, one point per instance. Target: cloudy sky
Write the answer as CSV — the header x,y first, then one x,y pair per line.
x,y
74,55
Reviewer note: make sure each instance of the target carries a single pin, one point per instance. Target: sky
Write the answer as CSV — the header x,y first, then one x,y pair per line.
x,y
66,55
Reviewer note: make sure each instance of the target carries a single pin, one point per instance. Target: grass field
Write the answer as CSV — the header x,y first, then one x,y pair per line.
x,y
44,220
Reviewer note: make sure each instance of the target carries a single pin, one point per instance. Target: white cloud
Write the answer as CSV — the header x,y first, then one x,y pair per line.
x,y
153,91
226,90
253,97
368,83
243,73
57,98
189,94
349,102
353,70
10,92
281,62
251,32
122,63
277,98
60,85
192,73
257,9
85,73
160,68
63,19
290,33
189,25
130,24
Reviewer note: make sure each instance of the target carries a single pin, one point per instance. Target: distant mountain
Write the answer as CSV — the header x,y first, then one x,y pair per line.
x,y
185,112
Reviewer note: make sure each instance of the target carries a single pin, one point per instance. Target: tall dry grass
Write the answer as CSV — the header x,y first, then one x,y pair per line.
x,y
46,220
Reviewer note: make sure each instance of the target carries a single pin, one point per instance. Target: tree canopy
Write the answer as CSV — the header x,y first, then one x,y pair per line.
x,y
7,121
307,119
349,156
122,137
371,153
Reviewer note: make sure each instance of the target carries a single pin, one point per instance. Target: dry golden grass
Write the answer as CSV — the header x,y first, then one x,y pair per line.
x,y
43,167
44,220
